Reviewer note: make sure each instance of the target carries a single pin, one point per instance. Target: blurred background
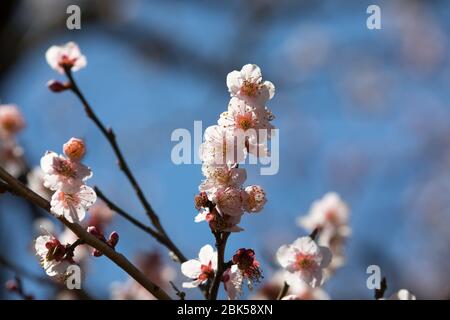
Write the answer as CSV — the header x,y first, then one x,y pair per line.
x,y
365,113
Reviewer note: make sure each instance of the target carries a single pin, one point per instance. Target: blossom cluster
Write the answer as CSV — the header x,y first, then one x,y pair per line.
x,y
330,216
58,250
241,130
11,123
243,268
66,176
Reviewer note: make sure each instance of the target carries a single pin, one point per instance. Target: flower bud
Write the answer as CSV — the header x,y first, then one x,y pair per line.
x,y
201,200
74,149
113,239
56,86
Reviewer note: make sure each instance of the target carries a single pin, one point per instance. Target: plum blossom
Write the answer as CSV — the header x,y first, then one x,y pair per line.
x,y
245,268
73,205
52,255
11,121
305,259
229,201
221,147
62,173
65,56
244,118
247,85
221,176
201,269
255,199
330,214
233,281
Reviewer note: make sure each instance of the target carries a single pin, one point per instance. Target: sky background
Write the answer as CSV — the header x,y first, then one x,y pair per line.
x,y
361,112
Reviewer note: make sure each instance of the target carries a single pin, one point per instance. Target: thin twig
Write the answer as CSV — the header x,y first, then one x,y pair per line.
x,y
111,137
160,238
179,293
283,291
21,190
221,243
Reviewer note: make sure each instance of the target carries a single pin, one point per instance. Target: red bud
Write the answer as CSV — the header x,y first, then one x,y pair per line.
x,y
57,86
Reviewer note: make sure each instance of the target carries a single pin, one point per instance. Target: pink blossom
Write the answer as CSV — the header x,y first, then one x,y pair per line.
x,y
201,269
65,56
233,280
73,206
328,212
305,259
52,255
242,117
11,120
221,147
247,84
245,268
62,173
221,176
228,201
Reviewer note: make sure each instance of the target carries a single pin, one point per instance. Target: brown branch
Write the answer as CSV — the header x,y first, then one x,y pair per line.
x,y
18,188
283,291
221,243
111,138
158,236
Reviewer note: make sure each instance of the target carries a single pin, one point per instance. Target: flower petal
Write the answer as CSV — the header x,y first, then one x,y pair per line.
x,y
191,268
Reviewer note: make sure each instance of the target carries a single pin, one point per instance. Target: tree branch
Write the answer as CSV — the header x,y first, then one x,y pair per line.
x,y
160,238
16,187
221,243
111,138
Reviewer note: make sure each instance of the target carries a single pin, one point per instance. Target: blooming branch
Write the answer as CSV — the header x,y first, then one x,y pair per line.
x,y
68,58
15,186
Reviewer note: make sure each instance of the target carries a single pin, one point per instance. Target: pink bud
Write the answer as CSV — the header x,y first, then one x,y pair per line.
x,y
96,253
93,230
57,86
74,149
113,239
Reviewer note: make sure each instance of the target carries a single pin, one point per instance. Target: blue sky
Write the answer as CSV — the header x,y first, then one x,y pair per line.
x,y
348,103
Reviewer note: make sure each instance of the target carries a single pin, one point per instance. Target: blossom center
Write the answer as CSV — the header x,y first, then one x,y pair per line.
x,y
305,262
68,199
66,61
331,216
249,88
56,250
244,121
64,168
207,272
